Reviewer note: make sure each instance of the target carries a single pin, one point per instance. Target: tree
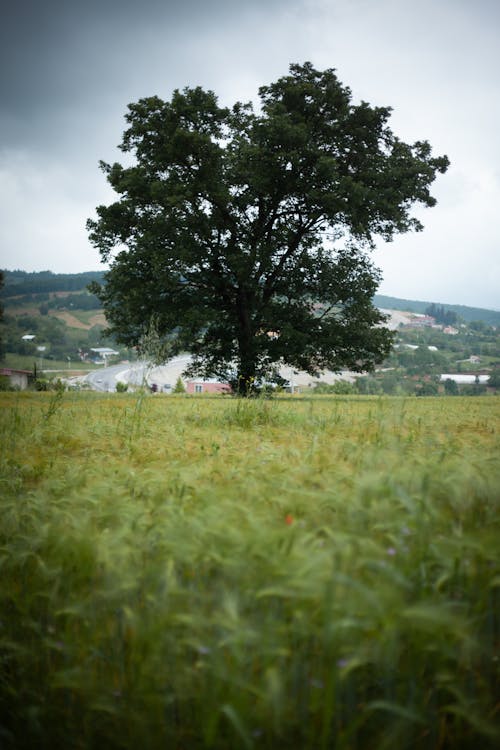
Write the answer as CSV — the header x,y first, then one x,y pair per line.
x,y
451,387
247,233
179,386
441,315
494,379
427,389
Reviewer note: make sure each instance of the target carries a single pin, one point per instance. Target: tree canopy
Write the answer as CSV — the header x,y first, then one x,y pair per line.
x,y
246,234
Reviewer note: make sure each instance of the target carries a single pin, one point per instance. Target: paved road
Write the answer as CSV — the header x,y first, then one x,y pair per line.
x,y
165,376
136,373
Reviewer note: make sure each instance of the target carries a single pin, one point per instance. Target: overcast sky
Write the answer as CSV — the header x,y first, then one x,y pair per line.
x,y
68,69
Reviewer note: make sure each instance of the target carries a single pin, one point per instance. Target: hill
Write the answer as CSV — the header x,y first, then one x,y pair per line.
x,y
55,314
467,314
50,313
24,283
19,283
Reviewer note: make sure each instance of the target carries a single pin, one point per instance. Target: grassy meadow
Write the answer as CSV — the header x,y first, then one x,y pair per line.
x,y
190,573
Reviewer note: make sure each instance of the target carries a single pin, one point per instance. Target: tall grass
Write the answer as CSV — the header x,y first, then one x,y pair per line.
x,y
315,573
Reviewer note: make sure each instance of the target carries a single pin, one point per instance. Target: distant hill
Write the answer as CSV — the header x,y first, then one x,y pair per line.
x,y
42,282
20,283
467,314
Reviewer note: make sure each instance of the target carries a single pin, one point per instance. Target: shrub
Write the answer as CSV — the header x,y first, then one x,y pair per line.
x,y
5,384
179,386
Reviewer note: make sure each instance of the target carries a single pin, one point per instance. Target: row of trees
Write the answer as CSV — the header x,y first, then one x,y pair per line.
x,y
441,314
396,384
42,282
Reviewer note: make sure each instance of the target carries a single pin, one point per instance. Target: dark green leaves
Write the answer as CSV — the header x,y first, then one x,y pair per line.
x,y
223,226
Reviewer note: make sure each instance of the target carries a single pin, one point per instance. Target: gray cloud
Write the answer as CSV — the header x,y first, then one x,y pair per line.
x,y
68,70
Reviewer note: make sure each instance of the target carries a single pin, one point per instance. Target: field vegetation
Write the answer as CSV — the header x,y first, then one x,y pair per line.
x,y
215,573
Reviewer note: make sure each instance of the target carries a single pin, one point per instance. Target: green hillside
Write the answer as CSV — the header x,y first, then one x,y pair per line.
x,y
58,313
21,283
53,311
26,282
467,314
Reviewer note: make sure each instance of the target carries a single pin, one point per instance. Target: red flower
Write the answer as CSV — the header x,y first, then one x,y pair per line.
x,y
289,519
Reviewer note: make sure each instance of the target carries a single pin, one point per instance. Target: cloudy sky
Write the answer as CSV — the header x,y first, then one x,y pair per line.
x,y
68,69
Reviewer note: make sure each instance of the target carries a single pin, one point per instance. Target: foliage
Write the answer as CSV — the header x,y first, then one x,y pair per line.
x,y
152,346
368,385
247,234
179,386
450,387
121,387
463,312
478,389
49,384
5,384
494,379
263,574
341,387
81,301
26,282
427,388
441,314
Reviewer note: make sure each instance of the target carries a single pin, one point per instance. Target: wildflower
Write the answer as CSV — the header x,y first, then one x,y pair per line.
x,y
289,519
391,551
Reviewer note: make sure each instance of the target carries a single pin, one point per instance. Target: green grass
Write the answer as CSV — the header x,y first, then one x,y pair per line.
x,y
27,362
213,573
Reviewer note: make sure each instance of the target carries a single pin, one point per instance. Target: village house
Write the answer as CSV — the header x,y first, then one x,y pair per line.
x,y
18,378
419,320
207,386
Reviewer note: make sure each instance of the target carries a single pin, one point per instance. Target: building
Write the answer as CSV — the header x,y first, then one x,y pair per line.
x,y
103,352
17,378
418,320
469,378
207,386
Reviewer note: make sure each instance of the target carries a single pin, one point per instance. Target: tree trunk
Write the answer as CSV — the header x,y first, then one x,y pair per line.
x,y
246,348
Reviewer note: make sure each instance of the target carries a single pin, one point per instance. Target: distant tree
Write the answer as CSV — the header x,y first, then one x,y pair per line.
x,y
494,379
450,387
368,385
179,386
478,389
389,382
340,388
478,325
441,315
426,389
226,223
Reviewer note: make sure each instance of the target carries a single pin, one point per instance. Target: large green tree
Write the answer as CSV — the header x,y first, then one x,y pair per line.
x,y
246,233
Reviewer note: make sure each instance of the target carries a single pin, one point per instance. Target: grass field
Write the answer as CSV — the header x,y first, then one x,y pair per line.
x,y
26,362
193,573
